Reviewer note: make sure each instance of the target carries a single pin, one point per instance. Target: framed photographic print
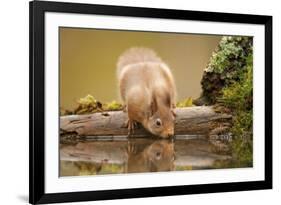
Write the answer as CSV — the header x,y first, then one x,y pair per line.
x,y
140,102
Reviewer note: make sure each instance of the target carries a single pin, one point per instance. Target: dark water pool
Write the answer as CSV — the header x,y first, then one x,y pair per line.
x,y
122,155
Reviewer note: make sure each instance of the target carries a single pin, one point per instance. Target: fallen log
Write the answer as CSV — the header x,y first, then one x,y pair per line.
x,y
197,120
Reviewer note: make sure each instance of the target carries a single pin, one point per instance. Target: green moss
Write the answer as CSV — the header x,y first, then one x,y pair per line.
x,y
87,101
183,168
238,96
113,106
228,81
111,169
188,102
89,104
227,64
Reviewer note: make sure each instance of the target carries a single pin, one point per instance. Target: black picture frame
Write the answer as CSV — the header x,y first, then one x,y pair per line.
x,y
37,10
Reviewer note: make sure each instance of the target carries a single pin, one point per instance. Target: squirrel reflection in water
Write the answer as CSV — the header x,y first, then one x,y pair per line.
x,y
155,157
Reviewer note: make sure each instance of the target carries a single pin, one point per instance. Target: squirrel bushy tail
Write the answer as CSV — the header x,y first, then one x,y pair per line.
x,y
136,55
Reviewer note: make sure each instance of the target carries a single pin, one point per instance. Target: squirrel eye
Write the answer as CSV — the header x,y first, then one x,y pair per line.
x,y
158,122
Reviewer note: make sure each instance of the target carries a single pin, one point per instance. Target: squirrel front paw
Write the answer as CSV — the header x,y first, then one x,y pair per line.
x,y
131,148
131,125
125,109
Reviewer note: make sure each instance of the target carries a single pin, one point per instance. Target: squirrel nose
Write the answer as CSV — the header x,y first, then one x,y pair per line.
x,y
170,134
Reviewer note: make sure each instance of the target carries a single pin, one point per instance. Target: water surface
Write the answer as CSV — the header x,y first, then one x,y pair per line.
x,y
117,155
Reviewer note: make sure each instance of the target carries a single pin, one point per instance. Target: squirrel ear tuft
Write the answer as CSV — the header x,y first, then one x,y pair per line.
x,y
173,113
153,105
168,100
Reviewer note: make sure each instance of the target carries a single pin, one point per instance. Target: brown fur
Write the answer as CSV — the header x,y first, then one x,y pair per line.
x,y
155,157
148,90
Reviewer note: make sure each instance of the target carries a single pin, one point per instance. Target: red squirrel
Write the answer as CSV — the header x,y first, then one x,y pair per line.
x,y
148,91
155,157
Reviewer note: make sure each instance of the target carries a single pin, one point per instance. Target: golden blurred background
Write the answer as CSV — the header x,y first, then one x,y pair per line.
x,y
88,60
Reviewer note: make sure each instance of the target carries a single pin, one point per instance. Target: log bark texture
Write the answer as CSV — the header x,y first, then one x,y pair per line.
x,y
198,120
